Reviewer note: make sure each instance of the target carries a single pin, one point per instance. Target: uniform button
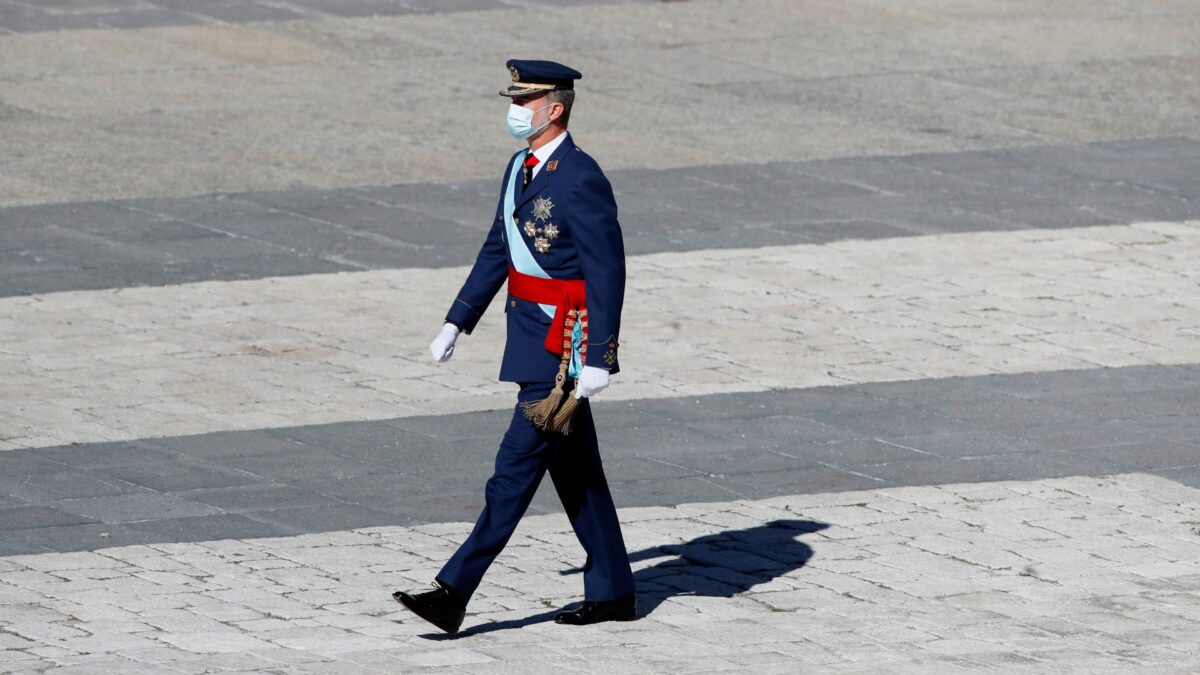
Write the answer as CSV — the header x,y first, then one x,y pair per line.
x,y
514,303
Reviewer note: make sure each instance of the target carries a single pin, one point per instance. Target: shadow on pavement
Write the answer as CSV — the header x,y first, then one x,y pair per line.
x,y
716,565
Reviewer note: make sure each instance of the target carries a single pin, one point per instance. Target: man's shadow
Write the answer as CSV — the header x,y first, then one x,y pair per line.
x,y
715,565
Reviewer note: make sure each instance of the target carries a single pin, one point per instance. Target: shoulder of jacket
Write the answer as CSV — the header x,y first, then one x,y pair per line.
x,y
583,161
583,168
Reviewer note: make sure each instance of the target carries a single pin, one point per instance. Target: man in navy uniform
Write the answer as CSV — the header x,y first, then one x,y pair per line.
x,y
556,240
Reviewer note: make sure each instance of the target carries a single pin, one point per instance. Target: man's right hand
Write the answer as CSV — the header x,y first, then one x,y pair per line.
x,y
442,346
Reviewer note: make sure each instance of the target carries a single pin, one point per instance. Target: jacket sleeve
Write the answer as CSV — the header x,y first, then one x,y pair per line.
x,y
487,275
594,226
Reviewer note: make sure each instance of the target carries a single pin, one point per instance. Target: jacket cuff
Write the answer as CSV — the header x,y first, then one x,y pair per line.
x,y
604,354
462,315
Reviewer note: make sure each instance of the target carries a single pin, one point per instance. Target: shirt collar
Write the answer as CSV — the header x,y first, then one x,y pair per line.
x,y
543,153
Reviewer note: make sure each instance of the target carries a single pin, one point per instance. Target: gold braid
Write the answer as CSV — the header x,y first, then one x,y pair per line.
x,y
554,412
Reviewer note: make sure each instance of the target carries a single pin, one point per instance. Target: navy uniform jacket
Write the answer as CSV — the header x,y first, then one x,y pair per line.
x,y
588,246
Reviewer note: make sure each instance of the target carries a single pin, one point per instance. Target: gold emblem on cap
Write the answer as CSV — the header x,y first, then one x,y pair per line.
x,y
516,75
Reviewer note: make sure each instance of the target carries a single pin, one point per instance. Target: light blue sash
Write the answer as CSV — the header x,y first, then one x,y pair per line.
x,y
524,262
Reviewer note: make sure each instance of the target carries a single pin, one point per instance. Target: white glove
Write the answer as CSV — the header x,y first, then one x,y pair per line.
x,y
591,382
442,346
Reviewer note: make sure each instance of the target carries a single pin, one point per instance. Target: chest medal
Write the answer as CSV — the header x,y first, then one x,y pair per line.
x,y
541,208
541,235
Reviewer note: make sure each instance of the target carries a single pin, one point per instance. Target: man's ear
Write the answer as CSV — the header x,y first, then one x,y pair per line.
x,y
556,111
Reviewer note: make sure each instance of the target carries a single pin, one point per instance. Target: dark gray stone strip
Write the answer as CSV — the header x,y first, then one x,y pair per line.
x,y
657,452
30,16
115,244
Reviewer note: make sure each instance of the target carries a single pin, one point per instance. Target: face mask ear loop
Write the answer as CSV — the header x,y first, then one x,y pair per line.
x,y
543,127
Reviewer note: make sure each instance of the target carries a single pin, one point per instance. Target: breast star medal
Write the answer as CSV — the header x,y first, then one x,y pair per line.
x,y
541,236
541,208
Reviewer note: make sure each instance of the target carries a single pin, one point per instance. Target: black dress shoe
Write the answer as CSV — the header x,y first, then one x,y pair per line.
x,y
440,607
595,611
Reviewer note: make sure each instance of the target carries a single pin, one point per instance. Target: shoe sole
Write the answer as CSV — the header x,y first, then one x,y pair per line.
x,y
614,618
400,599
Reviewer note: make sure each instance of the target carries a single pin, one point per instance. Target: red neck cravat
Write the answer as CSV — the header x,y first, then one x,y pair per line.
x,y
530,162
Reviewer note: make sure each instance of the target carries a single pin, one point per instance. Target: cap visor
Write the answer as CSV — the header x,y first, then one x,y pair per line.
x,y
521,91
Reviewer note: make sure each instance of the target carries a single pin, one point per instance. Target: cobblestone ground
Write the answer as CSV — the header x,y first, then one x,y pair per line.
x,y
1075,574
847,312
911,349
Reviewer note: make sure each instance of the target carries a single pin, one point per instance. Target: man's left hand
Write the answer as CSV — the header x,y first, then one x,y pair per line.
x,y
591,381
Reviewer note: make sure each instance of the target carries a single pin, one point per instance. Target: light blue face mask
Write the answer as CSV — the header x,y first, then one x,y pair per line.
x,y
520,120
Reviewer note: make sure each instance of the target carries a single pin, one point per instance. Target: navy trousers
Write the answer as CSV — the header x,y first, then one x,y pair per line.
x,y
573,460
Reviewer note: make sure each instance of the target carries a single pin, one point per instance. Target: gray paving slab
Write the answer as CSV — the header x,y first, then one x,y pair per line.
x,y
27,464
320,517
393,485
1189,475
1157,210
383,445
12,500
1126,403
857,452
160,241
1176,428
1011,466
246,444
778,430
1082,435
70,482
729,461
760,484
72,538
133,507
452,506
99,456
624,468
254,497
1151,162
893,421
1154,456
30,517
207,528
179,475
1131,380
824,230
298,465
657,452
956,445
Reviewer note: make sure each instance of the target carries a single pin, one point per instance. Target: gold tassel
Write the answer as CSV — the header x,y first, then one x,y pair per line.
x,y
562,419
554,412
540,412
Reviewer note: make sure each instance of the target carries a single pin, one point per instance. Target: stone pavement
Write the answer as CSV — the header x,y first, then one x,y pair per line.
x,y
412,470
329,348
250,235
1072,574
220,105
911,367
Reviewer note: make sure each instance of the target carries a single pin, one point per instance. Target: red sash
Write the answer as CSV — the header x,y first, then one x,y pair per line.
x,y
564,294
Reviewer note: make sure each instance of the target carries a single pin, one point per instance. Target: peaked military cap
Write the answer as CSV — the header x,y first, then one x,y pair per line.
x,y
532,77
